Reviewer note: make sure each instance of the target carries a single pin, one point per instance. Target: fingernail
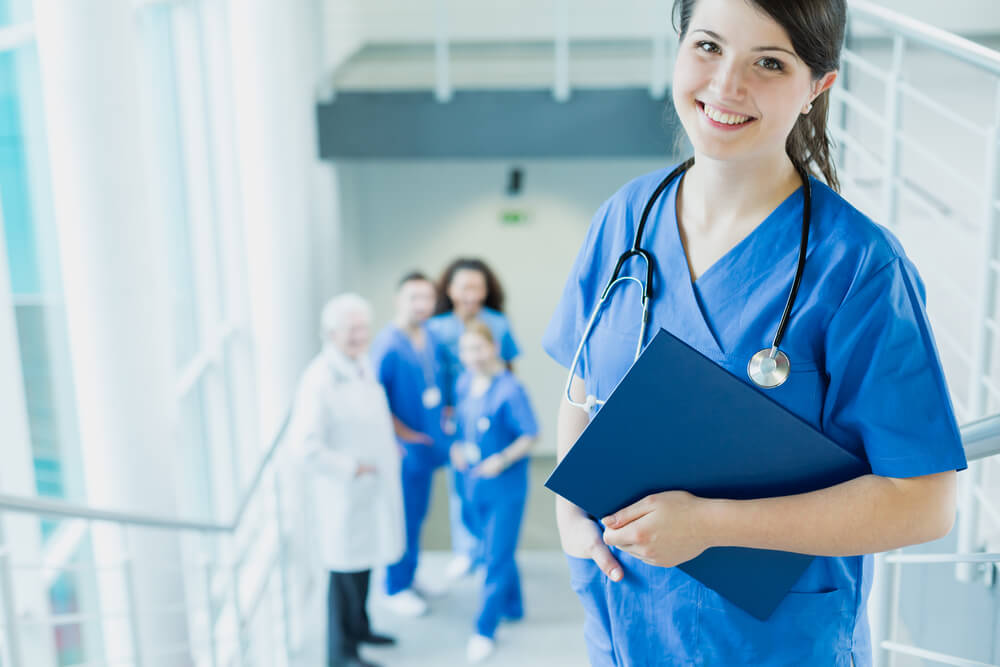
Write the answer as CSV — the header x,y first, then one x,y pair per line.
x,y
616,574
608,520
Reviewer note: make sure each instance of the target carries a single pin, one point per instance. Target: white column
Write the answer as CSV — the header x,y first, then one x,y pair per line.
x,y
276,59
20,533
240,378
115,285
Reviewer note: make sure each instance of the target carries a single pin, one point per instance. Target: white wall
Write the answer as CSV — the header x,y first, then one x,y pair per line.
x,y
399,216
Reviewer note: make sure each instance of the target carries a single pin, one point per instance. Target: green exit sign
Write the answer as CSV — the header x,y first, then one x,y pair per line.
x,y
514,217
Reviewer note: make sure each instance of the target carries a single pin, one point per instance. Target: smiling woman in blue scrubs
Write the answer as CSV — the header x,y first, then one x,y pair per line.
x,y
496,430
751,88
468,291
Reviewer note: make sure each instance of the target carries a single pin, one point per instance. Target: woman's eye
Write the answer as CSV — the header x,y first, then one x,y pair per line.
x,y
706,46
772,64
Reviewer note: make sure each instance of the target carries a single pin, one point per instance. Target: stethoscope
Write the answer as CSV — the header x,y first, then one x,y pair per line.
x,y
476,422
431,396
769,368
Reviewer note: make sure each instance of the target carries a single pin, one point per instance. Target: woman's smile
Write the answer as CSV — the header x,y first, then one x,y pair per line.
x,y
723,118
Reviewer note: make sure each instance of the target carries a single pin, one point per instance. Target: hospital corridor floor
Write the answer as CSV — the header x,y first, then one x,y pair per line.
x,y
551,634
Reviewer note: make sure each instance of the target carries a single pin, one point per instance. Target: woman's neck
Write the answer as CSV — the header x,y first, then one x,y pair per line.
x,y
467,317
725,193
482,379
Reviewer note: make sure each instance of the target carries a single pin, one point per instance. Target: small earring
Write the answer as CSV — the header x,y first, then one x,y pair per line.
x,y
809,107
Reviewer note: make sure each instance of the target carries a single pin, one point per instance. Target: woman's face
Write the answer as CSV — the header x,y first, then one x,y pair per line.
x,y
738,85
467,291
478,354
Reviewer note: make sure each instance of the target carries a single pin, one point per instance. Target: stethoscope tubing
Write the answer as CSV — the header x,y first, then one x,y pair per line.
x,y
647,286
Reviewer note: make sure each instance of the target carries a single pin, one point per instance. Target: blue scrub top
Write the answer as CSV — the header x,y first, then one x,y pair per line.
x,y
448,328
865,370
406,373
492,422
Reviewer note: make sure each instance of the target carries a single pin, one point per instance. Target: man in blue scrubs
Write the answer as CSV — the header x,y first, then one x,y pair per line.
x,y
405,357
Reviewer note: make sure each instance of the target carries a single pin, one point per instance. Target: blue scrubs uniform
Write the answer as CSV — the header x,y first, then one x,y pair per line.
x,y
407,374
447,329
493,508
865,370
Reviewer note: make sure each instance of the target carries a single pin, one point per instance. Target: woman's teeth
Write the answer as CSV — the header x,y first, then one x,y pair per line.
x,y
721,117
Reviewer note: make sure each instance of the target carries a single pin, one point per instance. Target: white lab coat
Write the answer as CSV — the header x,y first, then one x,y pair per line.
x,y
342,419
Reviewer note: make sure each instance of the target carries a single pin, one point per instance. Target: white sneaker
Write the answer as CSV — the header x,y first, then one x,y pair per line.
x,y
429,587
406,603
459,566
479,648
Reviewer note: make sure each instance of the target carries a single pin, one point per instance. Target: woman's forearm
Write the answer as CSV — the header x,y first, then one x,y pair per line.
x,y
869,514
518,449
570,423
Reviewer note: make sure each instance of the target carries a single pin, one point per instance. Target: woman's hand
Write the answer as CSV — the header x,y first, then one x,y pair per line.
x,y
491,466
364,469
458,461
663,529
581,538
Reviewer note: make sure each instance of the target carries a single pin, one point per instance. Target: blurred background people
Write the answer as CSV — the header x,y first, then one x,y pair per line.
x,y
467,290
406,361
344,432
496,430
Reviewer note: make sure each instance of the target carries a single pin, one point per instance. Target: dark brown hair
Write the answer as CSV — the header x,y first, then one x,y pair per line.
x,y
816,30
413,276
494,292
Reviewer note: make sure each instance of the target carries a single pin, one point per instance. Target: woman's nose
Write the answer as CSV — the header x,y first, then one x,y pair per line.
x,y
728,80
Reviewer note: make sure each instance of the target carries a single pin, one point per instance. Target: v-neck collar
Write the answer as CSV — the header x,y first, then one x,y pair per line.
x,y
401,333
754,255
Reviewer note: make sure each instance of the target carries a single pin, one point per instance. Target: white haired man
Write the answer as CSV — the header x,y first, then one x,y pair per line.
x,y
344,431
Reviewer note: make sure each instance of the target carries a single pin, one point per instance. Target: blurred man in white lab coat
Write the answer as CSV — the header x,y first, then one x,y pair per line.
x,y
344,433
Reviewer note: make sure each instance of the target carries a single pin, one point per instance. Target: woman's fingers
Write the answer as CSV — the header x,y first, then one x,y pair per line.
x,y
629,514
624,538
601,555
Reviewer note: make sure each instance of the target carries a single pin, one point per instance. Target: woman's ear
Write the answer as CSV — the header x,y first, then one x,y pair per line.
x,y
823,84
819,86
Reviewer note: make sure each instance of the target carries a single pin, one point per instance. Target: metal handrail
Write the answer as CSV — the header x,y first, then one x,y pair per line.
x,y
981,438
942,558
958,47
65,510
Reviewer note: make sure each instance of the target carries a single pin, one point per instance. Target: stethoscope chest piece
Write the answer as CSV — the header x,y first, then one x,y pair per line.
x,y
769,368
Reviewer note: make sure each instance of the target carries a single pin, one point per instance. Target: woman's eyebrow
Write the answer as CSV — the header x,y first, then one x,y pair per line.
x,y
719,38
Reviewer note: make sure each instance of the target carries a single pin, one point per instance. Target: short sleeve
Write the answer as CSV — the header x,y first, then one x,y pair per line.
x,y
887,394
518,416
383,361
508,345
565,329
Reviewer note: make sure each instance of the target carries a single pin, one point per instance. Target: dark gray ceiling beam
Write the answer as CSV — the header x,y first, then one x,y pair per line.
x,y
612,123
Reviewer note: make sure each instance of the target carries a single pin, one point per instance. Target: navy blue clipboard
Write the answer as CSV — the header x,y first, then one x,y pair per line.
x,y
678,421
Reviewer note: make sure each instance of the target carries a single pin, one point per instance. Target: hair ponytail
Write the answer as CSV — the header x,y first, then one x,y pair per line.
x,y
809,145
